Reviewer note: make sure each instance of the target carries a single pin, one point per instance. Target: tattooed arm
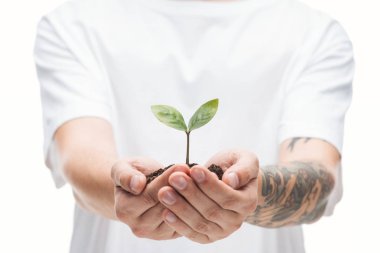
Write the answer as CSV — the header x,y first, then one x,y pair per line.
x,y
296,191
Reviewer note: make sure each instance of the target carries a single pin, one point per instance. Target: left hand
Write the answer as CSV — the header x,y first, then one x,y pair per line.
x,y
205,209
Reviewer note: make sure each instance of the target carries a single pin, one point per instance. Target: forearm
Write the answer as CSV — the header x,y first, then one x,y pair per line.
x,y
89,176
86,152
291,194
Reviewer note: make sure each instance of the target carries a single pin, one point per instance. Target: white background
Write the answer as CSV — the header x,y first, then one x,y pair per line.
x,y
35,217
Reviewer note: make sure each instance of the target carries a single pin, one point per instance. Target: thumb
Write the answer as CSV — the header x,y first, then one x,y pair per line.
x,y
244,169
130,173
224,159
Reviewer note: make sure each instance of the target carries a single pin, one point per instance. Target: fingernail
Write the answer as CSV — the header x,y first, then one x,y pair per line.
x,y
198,175
233,179
170,217
168,198
179,182
135,183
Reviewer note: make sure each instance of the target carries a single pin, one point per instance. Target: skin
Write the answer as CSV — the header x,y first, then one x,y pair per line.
x,y
86,152
101,181
296,190
194,203
207,209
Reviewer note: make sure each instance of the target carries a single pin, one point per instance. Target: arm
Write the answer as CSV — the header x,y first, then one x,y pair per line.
x,y
293,192
112,187
87,152
296,190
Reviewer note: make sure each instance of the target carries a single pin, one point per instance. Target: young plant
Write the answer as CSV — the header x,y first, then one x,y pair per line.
x,y
173,118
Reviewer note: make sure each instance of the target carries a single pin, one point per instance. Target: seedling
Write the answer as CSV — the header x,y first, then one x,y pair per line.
x,y
173,118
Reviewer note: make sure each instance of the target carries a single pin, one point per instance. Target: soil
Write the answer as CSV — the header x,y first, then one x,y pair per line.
x,y
213,168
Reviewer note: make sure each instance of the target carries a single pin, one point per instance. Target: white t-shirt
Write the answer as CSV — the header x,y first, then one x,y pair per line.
x,y
279,68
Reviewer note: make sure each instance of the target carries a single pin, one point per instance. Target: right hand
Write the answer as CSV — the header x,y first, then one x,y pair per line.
x,y
138,206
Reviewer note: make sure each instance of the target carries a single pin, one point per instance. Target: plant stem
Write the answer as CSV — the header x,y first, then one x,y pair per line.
x,y
187,148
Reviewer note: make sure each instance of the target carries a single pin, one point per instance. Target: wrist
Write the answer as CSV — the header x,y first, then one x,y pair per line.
x,y
260,198
92,186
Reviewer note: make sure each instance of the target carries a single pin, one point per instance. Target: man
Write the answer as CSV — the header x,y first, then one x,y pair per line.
x,y
282,73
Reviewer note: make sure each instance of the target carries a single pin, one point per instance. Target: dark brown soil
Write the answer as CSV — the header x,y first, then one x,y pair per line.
x,y
217,170
213,168
153,175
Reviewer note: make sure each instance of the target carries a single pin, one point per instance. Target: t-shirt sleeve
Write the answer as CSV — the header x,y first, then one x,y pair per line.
x,y
318,93
71,84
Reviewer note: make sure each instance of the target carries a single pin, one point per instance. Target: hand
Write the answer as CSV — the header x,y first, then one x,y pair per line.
x,y
139,208
205,209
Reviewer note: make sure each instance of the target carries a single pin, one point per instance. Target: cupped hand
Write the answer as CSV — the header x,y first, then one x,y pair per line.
x,y
203,208
136,204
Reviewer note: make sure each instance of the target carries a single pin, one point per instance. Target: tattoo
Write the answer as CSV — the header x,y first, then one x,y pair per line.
x,y
292,194
295,140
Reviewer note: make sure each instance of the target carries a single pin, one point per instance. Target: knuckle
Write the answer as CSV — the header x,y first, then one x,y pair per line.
x,y
140,231
250,207
206,239
202,227
163,232
133,160
229,229
251,204
124,180
257,163
118,205
236,226
229,204
174,235
123,206
181,207
254,160
162,236
213,213
234,155
193,236
115,170
149,198
222,235
119,213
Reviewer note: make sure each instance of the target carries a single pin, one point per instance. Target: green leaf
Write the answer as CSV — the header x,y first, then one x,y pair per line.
x,y
204,114
169,116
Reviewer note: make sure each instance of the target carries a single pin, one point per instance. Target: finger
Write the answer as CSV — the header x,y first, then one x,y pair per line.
x,y
239,166
210,210
153,187
129,207
143,217
138,204
151,218
130,173
225,196
224,159
145,165
183,229
196,223
164,231
244,169
151,225
127,177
